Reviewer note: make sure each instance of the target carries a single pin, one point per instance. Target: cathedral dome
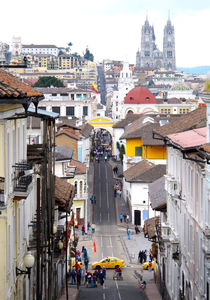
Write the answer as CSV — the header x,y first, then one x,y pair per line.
x,y
139,95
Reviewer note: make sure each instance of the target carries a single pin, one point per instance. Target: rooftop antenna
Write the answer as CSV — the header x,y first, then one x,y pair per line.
x,y
146,15
169,17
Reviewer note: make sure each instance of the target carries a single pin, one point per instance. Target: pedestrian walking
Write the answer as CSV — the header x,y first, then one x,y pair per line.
x,y
121,218
86,261
73,276
78,277
104,272
129,233
83,229
88,226
124,217
93,228
101,277
127,218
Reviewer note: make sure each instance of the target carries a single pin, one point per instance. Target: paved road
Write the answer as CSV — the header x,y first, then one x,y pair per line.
x,y
108,242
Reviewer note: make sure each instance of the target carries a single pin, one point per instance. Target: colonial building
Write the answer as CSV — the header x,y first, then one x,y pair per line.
x,y
150,57
183,228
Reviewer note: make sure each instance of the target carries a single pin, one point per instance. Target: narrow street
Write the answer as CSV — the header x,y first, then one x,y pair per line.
x,y
108,241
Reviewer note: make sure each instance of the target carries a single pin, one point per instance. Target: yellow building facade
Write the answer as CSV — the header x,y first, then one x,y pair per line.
x,y
135,147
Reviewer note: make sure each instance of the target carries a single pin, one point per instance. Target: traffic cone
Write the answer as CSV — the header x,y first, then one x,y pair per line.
x,y
94,246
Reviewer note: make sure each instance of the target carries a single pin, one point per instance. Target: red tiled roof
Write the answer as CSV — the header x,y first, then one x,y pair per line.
x,y
80,167
139,95
194,119
13,87
64,193
144,171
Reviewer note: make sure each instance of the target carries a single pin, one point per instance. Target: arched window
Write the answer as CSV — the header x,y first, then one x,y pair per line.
x,y
75,186
80,188
85,187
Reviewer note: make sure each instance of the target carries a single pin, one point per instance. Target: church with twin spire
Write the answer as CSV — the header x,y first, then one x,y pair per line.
x,y
150,57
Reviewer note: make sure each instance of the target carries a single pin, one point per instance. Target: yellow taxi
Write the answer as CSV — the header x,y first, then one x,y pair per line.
x,y
108,263
145,265
73,263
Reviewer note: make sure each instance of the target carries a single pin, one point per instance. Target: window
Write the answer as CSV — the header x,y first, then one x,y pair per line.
x,y
169,53
80,187
146,53
75,187
138,151
85,110
70,111
43,107
113,260
56,109
54,94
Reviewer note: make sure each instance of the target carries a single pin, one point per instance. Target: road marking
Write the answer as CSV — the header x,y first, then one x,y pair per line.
x,y
111,244
118,289
101,242
107,198
104,297
106,173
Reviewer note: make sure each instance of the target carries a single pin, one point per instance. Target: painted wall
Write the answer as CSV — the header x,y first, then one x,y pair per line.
x,y
154,152
131,144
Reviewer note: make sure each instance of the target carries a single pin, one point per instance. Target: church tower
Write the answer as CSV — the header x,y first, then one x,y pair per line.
x,y
169,47
147,45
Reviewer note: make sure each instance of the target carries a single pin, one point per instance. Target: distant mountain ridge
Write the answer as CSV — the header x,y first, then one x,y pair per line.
x,y
195,70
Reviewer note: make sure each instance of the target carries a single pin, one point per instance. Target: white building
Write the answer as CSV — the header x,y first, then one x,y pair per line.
x,y
125,84
183,231
70,103
135,189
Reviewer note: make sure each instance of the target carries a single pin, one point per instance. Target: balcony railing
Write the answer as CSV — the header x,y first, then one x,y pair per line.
x,y
22,176
2,190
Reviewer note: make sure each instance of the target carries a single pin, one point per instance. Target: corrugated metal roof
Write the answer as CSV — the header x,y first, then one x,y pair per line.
x,y
43,112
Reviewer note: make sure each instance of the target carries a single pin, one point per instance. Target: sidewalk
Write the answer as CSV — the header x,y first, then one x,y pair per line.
x,y
135,244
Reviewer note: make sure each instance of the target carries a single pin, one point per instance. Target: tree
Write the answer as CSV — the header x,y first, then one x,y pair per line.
x,y
121,149
76,55
48,81
68,49
88,55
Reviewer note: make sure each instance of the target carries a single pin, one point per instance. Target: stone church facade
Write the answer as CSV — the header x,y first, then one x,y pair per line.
x,y
150,57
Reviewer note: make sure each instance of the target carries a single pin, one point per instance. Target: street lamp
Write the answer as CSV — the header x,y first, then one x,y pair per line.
x,y
60,244
54,229
28,262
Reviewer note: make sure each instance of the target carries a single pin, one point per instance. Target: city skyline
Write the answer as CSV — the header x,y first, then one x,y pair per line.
x,y
111,29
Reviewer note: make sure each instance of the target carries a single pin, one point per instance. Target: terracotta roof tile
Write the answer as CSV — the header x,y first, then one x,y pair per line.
x,y
139,95
86,130
194,119
64,193
144,171
80,167
13,87
129,119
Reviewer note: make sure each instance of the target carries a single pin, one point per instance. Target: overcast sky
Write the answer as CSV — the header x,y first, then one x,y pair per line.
x,y
110,28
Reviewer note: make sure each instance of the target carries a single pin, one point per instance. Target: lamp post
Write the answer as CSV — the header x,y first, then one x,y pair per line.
x,y
28,262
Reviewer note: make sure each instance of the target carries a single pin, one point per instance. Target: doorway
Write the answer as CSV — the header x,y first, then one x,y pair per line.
x,y
137,217
78,215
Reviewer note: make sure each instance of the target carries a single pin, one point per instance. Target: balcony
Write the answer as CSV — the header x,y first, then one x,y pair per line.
x,y
22,179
